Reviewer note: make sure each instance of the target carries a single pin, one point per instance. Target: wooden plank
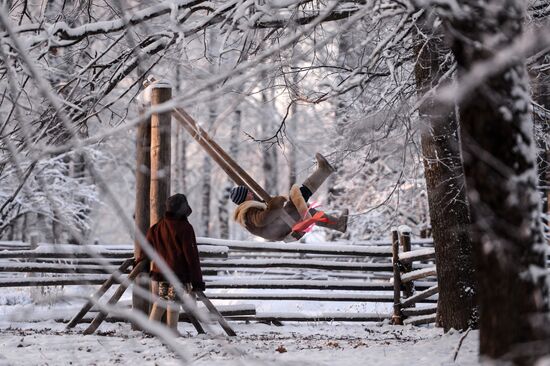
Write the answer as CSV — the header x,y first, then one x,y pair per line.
x,y
223,323
97,295
238,311
327,317
418,274
341,250
417,255
301,284
97,254
298,263
55,268
301,296
97,279
420,296
421,319
419,311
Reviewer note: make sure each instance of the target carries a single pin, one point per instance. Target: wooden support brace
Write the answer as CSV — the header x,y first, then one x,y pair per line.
x,y
223,323
114,299
192,318
106,285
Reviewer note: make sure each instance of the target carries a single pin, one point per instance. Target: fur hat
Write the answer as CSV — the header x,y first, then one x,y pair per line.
x,y
177,205
238,194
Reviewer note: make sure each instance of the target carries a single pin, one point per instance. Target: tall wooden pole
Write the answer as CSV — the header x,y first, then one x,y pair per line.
x,y
142,213
160,151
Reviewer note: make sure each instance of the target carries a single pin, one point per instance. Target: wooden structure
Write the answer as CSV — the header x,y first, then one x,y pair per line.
x,y
404,275
248,271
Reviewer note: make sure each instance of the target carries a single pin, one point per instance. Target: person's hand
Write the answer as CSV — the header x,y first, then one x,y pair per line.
x,y
276,202
198,286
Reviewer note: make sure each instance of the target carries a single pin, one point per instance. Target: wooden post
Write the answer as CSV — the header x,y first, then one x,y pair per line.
x,y
36,293
34,237
397,318
405,242
161,125
160,150
142,213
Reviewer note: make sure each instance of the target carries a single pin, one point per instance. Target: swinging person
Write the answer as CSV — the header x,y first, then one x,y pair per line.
x,y
264,219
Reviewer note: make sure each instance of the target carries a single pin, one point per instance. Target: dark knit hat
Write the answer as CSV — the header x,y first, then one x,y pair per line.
x,y
238,194
178,205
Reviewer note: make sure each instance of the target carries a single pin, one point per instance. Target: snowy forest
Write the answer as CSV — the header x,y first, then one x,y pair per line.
x,y
433,118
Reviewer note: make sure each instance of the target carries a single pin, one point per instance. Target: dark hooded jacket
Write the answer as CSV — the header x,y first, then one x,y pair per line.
x,y
174,240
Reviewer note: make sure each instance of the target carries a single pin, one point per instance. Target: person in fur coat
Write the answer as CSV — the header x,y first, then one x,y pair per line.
x,y
264,219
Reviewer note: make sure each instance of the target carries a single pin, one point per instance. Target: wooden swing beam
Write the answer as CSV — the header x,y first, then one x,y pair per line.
x,y
231,168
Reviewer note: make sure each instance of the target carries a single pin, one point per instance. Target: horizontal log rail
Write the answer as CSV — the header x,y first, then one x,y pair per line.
x,y
417,255
254,271
298,263
418,274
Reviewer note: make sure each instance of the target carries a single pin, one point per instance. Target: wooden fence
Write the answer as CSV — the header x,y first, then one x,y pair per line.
x,y
358,273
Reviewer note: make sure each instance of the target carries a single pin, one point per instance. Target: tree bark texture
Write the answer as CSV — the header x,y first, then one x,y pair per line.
x,y
269,152
501,176
223,212
445,184
541,116
160,152
207,180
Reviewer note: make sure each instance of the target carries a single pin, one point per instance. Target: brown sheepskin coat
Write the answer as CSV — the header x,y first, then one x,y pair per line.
x,y
174,240
264,220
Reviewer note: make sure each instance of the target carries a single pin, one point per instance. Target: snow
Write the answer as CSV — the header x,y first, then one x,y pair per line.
x,y
312,343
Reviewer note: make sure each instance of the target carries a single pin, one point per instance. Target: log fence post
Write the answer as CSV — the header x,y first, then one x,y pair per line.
x,y
397,317
405,242
142,209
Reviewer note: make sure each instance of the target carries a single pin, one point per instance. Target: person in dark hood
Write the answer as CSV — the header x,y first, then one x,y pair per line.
x,y
173,238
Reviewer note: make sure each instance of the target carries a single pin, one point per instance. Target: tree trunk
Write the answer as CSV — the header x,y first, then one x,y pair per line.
x,y
292,132
223,213
500,168
449,212
207,180
269,152
541,95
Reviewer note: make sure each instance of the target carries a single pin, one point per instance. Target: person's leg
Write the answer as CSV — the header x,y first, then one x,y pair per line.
x,y
306,193
173,314
157,312
316,179
339,223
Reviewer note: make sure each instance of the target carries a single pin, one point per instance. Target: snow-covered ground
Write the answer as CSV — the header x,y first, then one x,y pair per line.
x,y
29,336
48,343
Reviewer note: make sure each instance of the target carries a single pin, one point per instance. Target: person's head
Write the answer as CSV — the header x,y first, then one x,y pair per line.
x,y
240,194
178,206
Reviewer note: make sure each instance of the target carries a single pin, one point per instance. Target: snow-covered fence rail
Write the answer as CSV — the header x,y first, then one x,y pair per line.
x,y
404,275
80,265
238,270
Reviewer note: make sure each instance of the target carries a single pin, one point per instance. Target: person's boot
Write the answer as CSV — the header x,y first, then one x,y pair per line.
x,y
324,169
339,223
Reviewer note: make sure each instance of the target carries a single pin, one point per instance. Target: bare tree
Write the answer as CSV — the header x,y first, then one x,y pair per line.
x,y
449,211
500,168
